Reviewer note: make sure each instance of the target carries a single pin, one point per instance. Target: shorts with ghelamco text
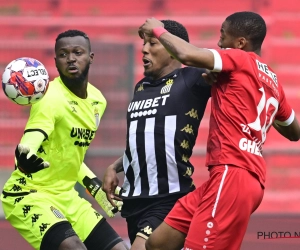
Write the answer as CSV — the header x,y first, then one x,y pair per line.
x,y
35,213
216,215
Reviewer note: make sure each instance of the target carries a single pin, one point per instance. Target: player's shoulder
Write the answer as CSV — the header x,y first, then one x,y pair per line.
x,y
194,70
54,87
94,91
193,74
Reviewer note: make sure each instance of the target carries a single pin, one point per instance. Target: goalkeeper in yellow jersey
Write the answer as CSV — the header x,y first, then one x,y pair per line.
x,y
39,198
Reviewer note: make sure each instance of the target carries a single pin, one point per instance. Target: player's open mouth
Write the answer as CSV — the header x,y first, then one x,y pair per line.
x,y
72,69
146,62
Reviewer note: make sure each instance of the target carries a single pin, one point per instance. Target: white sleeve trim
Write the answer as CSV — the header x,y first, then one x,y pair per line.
x,y
288,121
218,61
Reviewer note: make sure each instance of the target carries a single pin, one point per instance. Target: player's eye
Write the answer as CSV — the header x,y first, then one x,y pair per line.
x,y
62,54
78,53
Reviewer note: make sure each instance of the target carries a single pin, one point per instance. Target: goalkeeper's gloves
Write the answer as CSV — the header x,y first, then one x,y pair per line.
x,y
29,165
93,186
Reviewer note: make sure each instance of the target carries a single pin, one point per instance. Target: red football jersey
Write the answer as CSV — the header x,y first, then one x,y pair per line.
x,y
245,101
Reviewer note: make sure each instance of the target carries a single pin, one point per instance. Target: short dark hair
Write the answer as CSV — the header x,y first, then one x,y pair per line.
x,y
73,33
249,25
177,29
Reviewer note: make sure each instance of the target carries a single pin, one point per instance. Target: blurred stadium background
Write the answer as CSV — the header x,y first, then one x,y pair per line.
x,y
29,28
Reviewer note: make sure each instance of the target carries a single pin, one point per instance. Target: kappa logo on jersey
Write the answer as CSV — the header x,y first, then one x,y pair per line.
x,y
167,88
185,144
22,181
193,113
35,218
16,188
17,200
188,171
57,213
147,230
73,109
97,215
85,136
140,88
188,129
43,227
185,158
26,209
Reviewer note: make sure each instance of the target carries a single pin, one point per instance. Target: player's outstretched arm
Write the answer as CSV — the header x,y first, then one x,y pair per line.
x,y
110,181
291,131
93,186
26,163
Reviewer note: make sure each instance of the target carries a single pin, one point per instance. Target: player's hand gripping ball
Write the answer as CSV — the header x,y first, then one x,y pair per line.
x,y
25,81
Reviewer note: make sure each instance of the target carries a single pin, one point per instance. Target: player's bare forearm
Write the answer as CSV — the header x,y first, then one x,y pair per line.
x,y
118,165
291,132
187,53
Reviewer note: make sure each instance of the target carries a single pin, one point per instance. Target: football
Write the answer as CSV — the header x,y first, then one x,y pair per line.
x,y
25,81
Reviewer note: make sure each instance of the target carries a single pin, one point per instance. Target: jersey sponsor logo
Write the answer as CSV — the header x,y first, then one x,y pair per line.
x,y
268,76
84,136
143,113
138,108
57,213
249,146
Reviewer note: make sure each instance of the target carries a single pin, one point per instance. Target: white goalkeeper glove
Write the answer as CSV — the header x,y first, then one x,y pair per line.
x,y
93,186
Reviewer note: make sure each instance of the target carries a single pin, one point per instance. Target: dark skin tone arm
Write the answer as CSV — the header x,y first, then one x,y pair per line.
x,y
291,132
110,180
183,51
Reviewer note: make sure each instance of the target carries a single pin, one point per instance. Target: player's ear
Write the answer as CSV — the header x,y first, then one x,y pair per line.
x,y
241,42
91,57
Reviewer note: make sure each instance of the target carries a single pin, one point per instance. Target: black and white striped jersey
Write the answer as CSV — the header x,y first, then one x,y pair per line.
x,y
162,125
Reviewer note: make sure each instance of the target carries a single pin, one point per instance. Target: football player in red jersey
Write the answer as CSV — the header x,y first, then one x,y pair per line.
x,y
247,100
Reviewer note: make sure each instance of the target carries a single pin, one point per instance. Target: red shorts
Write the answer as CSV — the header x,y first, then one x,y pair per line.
x,y
216,215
